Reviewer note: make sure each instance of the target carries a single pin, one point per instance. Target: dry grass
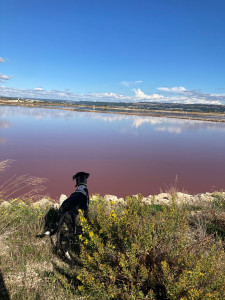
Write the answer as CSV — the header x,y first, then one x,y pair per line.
x,y
30,267
20,187
5,164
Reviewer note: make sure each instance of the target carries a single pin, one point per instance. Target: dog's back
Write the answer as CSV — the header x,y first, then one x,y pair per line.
x,y
75,202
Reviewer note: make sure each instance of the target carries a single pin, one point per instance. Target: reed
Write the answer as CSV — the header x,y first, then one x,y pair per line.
x,y
20,187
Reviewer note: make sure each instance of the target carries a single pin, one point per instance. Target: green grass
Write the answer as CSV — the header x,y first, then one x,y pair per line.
x,y
130,251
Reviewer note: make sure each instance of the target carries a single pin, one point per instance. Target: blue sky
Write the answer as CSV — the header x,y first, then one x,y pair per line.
x,y
151,50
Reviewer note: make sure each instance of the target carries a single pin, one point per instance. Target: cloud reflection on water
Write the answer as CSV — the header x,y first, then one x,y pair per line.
x,y
5,124
133,122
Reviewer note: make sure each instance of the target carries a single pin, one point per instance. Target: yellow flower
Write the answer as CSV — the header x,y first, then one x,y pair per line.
x,y
113,214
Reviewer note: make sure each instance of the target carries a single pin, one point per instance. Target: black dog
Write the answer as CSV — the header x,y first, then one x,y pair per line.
x,y
69,208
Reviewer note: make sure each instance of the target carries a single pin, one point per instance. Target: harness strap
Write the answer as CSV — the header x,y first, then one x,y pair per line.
x,y
80,189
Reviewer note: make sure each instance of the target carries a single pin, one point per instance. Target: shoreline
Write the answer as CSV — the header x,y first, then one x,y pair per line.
x,y
161,198
184,115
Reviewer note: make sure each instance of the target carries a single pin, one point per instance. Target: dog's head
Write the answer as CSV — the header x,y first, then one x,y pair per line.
x,y
81,178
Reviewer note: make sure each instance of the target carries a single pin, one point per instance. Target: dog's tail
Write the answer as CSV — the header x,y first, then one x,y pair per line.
x,y
50,232
47,233
58,225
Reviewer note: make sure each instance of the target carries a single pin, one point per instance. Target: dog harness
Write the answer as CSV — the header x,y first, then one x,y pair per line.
x,y
80,189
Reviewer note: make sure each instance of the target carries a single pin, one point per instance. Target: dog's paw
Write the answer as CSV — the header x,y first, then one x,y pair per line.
x,y
68,255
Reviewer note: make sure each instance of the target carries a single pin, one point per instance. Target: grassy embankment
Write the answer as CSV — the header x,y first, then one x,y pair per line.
x,y
127,250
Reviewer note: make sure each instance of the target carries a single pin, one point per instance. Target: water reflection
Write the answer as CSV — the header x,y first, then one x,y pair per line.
x,y
5,124
160,124
2,140
125,154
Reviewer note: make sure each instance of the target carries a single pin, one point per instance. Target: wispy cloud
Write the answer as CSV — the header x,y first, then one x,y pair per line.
x,y
2,60
38,89
182,95
130,83
175,89
5,77
40,93
179,95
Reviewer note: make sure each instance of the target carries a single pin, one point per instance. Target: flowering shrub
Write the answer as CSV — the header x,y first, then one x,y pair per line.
x,y
138,251
215,216
219,201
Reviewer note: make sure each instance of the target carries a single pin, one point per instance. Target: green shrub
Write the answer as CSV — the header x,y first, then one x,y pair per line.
x,y
219,201
137,252
215,217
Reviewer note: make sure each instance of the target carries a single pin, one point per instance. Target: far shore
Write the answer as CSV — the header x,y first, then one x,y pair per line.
x,y
95,108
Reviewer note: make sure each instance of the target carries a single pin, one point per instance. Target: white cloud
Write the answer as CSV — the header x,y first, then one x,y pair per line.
x,y
187,97
41,93
2,60
38,89
5,77
130,83
175,89
139,95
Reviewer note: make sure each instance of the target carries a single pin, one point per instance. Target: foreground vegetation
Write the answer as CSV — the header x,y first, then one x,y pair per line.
x,y
124,251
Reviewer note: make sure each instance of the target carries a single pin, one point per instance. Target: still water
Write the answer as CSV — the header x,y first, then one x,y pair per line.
x,y
124,155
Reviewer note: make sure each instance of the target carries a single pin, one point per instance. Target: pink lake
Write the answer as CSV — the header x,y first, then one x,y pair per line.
x,y
124,155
